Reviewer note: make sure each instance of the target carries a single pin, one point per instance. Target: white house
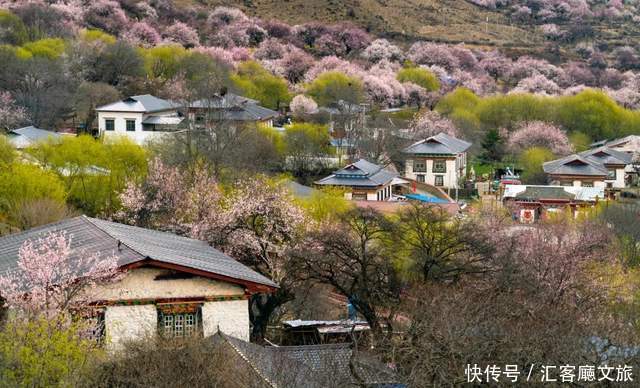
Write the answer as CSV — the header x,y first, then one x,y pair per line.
x,y
597,167
172,285
363,181
143,118
439,160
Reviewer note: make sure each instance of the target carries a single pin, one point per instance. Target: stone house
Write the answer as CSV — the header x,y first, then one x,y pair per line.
x,y
439,160
172,285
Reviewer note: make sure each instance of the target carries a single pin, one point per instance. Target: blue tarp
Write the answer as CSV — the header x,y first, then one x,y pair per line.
x,y
425,198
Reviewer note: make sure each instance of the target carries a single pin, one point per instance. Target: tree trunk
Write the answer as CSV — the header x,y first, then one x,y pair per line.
x,y
262,307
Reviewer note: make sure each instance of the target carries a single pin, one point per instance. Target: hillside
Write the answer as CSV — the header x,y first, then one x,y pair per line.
x,y
448,21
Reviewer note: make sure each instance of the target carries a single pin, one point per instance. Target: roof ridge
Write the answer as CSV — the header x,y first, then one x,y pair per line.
x,y
244,357
90,221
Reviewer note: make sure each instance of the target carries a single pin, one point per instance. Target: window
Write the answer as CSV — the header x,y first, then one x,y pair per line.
x,y
611,175
439,166
587,184
109,125
131,125
419,166
439,180
420,178
179,321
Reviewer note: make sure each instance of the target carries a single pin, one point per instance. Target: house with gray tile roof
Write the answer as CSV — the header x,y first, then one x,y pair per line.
x,y
28,136
363,181
596,167
439,160
146,117
174,285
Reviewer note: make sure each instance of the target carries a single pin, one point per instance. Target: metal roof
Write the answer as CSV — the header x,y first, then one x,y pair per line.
x,y
27,136
132,244
575,165
361,173
440,144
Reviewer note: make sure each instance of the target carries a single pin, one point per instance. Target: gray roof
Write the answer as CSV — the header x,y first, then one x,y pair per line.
x,y
299,190
95,236
440,144
331,365
607,156
361,174
27,136
144,103
575,165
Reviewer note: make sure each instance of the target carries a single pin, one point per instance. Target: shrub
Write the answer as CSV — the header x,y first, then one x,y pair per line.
x,y
419,76
332,87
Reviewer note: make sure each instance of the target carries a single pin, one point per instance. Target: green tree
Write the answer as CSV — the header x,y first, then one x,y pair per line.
x,y
326,204
493,146
334,86
305,144
12,29
256,82
7,153
163,62
580,141
43,353
591,112
21,183
531,161
94,172
419,76
51,48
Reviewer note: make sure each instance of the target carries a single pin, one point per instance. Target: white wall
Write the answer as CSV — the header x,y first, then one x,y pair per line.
x,y
141,283
619,181
231,317
454,169
120,126
129,323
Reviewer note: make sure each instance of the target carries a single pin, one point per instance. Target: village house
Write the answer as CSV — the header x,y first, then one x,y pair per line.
x,y
26,137
439,160
530,203
363,181
629,145
172,285
147,117
598,167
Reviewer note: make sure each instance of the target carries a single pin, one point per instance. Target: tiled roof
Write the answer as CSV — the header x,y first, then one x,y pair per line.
x,y
440,144
361,174
144,103
575,165
606,155
27,136
564,193
131,244
310,366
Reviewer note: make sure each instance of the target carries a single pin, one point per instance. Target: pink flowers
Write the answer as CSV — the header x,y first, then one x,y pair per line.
x,y
52,277
11,114
430,123
182,34
302,106
539,134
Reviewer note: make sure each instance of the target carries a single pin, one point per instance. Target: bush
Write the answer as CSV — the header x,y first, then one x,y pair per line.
x,y
531,161
332,87
20,183
43,353
257,83
419,76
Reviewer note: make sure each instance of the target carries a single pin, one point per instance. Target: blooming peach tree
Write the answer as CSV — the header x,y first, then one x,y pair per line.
x,y
52,277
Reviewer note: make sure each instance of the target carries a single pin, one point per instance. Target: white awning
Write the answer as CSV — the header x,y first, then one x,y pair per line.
x,y
398,181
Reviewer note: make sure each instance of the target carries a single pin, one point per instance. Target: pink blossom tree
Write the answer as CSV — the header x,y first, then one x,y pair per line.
x,y
382,49
142,34
11,114
537,84
384,90
183,34
430,123
106,15
539,134
52,277
303,106
427,53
